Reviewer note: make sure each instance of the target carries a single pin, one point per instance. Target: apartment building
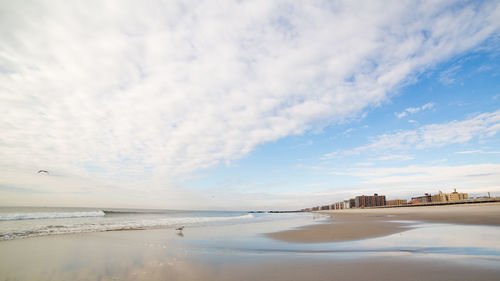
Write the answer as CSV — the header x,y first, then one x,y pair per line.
x,y
426,198
365,201
451,197
396,202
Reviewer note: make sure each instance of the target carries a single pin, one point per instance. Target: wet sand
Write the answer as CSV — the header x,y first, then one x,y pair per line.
x,y
355,224
163,255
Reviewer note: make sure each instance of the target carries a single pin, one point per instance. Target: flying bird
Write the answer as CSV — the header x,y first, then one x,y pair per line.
x,y
43,171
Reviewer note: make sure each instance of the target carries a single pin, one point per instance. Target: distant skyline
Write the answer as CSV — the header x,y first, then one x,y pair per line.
x,y
246,104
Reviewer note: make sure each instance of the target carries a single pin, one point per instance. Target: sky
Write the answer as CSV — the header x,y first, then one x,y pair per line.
x,y
246,105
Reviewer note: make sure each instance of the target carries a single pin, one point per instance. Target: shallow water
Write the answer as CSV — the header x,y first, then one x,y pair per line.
x,y
437,239
23,222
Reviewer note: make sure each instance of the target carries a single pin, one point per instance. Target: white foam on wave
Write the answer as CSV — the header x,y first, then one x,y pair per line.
x,y
167,222
53,215
199,220
119,225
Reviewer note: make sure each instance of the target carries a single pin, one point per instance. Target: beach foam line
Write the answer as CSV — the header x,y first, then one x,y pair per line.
x,y
140,224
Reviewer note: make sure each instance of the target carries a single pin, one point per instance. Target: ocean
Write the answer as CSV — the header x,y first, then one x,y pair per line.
x,y
23,222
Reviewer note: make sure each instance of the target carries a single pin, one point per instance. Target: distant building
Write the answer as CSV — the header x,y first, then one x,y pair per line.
x,y
456,196
427,198
347,204
452,197
440,197
352,203
396,202
364,201
339,205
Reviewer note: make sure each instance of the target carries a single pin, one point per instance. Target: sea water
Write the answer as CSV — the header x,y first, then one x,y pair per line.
x,y
23,222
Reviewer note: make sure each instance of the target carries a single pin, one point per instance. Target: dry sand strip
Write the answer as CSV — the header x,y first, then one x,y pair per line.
x,y
356,224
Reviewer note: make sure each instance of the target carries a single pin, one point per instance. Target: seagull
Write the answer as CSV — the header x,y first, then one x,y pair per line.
x,y
43,171
180,228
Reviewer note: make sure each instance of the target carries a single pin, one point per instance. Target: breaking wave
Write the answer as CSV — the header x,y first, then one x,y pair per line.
x,y
112,225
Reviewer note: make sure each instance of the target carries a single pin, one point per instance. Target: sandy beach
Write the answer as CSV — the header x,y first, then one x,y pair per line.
x,y
276,250
354,224
160,255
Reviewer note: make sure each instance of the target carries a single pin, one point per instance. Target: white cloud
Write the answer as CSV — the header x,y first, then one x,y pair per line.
x,y
435,135
485,68
482,174
447,77
469,152
413,110
477,152
391,157
330,155
401,114
348,132
364,164
145,94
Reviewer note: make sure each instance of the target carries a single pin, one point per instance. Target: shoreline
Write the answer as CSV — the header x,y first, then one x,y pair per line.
x,y
357,224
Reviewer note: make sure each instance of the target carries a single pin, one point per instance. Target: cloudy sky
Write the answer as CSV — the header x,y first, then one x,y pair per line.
x,y
246,104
